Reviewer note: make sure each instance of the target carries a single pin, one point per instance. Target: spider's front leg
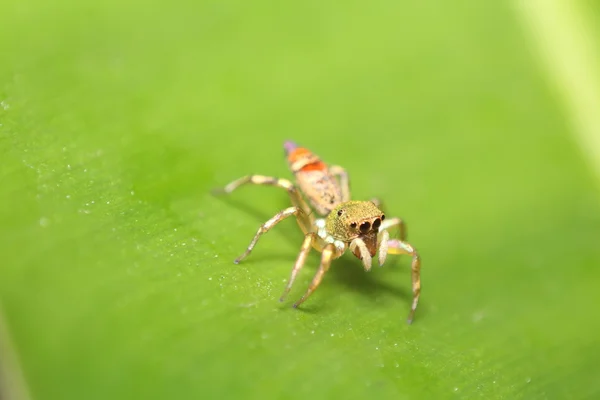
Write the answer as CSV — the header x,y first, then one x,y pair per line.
x,y
391,222
264,228
395,246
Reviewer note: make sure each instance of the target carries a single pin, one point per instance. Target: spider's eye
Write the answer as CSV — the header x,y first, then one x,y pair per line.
x,y
376,223
364,227
382,217
353,225
340,212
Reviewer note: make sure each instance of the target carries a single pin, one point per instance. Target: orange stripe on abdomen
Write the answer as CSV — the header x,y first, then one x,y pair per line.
x,y
315,166
303,160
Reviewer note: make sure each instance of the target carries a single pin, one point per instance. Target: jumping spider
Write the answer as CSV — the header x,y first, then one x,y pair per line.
x,y
343,224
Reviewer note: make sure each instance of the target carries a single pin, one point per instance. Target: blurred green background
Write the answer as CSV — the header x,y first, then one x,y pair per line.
x,y
116,277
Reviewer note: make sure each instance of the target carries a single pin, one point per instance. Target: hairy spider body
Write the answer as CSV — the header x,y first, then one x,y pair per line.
x,y
343,224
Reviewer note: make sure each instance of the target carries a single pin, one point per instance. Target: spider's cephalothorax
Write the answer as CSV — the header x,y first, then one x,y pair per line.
x,y
344,224
355,221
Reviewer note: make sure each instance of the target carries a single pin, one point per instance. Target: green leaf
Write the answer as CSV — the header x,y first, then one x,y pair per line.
x,y
117,277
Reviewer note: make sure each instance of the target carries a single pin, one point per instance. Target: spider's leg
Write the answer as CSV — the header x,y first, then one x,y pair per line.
x,y
328,254
304,250
378,202
399,247
305,219
264,228
388,223
342,174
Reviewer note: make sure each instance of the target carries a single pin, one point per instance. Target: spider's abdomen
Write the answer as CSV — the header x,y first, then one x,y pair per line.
x,y
322,190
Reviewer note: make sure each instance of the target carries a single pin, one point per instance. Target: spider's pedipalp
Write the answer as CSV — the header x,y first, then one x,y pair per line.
x,y
384,237
359,248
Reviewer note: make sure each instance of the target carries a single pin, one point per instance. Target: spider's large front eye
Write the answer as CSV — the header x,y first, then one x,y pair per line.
x,y
364,227
376,223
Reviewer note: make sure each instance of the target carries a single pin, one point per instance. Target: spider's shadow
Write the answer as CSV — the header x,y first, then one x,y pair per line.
x,y
350,273
288,231
345,271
